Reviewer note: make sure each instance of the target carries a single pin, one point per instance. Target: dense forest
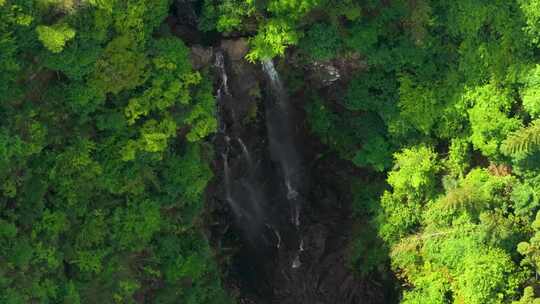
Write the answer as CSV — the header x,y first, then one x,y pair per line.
x,y
423,114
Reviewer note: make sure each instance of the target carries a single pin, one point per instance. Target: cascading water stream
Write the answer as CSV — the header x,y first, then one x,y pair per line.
x,y
239,213
255,198
223,91
282,147
275,81
243,192
220,64
280,132
284,249
247,155
276,233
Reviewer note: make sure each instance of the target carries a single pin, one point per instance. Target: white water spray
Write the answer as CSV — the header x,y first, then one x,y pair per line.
x,y
227,179
282,148
246,153
222,90
275,80
255,198
278,236
292,194
296,262
220,64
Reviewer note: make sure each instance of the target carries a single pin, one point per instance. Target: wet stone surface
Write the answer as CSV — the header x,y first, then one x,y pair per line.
x,y
285,224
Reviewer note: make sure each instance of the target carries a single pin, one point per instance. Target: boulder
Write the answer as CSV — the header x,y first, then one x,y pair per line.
x,y
324,73
201,56
236,49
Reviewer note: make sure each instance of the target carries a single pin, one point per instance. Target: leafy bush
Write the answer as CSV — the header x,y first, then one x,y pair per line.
x,y
321,42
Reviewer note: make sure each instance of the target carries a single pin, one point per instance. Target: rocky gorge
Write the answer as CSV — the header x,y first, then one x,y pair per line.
x,y
278,243
278,218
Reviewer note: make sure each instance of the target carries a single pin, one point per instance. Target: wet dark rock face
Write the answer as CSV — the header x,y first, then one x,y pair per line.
x,y
257,247
324,277
261,258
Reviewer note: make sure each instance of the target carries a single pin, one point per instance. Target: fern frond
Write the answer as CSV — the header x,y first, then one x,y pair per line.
x,y
524,140
464,198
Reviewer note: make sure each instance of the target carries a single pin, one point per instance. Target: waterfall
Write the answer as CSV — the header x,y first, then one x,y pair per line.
x,y
243,193
280,131
220,64
296,262
283,149
247,192
255,198
291,192
228,196
226,176
278,90
222,91
270,70
221,124
276,233
247,155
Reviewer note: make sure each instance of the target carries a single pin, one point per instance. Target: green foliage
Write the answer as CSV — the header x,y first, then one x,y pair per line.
x,y
359,139
453,86
272,40
530,9
226,16
368,253
418,105
530,248
170,82
374,91
94,167
363,38
528,297
462,251
121,67
413,184
274,34
525,198
54,38
531,92
489,118
487,277
459,156
134,226
202,116
414,170
12,20
103,160
376,152
321,42
524,140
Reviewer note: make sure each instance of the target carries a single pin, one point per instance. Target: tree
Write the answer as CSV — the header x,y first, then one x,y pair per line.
x,y
524,140
55,37
122,66
413,185
531,91
272,39
94,170
489,118
321,42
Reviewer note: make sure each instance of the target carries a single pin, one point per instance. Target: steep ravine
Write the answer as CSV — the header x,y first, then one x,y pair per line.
x,y
278,215
280,218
